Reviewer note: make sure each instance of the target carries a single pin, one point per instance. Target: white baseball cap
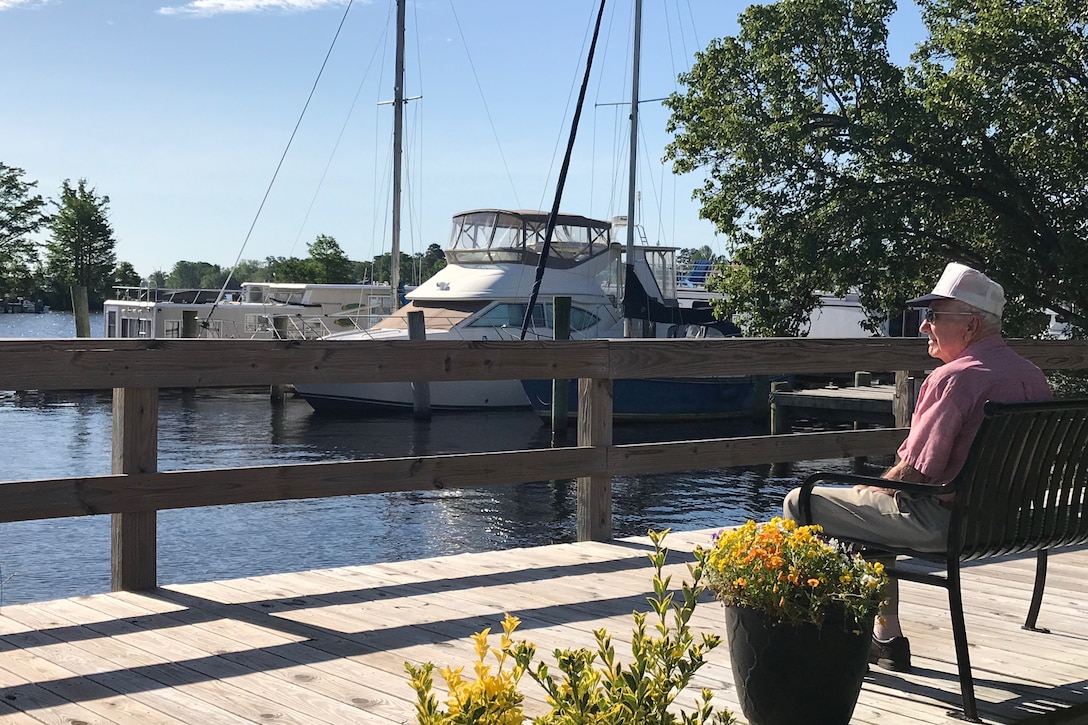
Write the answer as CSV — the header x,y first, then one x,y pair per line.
x,y
960,282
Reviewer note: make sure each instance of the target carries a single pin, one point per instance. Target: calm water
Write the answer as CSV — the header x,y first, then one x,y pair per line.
x,y
68,434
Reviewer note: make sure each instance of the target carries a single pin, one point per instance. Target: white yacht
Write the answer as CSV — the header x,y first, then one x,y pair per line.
x,y
260,310
483,292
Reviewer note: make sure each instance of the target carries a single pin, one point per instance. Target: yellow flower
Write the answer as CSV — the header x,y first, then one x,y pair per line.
x,y
790,572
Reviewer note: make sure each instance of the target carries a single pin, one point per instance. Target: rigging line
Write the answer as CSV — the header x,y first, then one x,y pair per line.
x,y
279,165
336,145
382,177
555,150
550,228
415,193
487,111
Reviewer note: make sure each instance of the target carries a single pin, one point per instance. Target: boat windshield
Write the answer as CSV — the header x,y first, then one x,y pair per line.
x,y
512,314
497,236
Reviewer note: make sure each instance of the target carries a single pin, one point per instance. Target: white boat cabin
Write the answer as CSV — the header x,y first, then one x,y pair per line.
x,y
259,310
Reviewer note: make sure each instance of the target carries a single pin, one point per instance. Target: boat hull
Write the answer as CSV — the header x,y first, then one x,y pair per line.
x,y
378,398
660,398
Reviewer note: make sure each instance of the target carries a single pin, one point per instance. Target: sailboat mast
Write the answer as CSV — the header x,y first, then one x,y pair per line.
x,y
398,131
636,59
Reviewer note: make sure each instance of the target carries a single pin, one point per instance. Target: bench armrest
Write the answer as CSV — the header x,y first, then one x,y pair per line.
x,y
852,479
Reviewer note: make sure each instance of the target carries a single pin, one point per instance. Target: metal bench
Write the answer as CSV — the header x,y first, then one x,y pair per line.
x,y
1022,489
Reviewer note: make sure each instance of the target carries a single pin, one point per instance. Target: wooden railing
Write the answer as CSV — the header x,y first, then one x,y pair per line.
x,y
136,370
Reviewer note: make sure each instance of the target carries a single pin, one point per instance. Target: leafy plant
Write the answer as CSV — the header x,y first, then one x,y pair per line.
x,y
593,687
790,573
490,699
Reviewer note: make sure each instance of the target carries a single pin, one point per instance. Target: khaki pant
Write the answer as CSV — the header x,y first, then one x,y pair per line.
x,y
904,520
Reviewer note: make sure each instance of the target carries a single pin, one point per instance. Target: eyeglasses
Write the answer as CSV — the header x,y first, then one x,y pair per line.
x,y
930,315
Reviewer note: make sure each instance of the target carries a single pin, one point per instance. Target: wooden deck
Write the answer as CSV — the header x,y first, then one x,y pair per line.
x,y
865,403
329,646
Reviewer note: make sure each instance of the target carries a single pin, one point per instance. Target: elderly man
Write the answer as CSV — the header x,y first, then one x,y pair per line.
x,y
963,323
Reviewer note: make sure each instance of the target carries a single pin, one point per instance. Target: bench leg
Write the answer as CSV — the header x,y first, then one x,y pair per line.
x,y
963,657
1037,594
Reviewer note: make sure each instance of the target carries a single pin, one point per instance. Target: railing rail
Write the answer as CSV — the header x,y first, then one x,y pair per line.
x,y
136,370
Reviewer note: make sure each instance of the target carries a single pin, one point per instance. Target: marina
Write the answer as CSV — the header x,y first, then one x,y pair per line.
x,y
130,655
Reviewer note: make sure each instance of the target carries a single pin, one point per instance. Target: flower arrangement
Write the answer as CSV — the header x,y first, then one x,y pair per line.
x,y
791,574
591,687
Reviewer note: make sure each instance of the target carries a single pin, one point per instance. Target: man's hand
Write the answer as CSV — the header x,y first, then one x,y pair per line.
x,y
878,489
899,472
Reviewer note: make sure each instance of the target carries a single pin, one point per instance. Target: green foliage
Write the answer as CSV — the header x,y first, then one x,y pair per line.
x,y
81,248
490,699
686,257
829,168
330,264
125,275
21,214
196,275
251,270
592,686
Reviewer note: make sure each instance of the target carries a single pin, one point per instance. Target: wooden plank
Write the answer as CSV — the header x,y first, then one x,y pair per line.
x,y
102,364
95,363
53,498
90,659
595,431
266,647
646,458
133,534
260,647
207,672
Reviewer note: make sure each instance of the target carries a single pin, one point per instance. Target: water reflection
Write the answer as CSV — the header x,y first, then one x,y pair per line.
x,y
69,434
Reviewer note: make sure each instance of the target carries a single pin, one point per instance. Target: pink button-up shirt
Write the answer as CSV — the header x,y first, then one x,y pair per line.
x,y
949,409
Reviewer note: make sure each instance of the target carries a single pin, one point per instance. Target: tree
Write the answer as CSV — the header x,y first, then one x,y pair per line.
x,y
434,259
830,168
329,261
293,269
125,275
21,214
380,269
196,275
252,270
685,257
81,249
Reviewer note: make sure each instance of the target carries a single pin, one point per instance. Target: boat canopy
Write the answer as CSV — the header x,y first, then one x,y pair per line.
x,y
501,236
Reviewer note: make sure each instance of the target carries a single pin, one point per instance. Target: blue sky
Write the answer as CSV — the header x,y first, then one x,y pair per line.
x,y
180,112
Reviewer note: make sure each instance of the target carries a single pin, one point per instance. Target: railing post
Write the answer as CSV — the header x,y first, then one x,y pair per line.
x,y
906,394
421,389
135,450
278,391
560,388
595,429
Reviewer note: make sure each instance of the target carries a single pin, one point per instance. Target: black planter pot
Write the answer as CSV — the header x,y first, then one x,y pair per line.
x,y
787,675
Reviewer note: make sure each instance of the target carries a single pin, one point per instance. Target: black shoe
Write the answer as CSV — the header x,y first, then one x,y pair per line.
x,y
891,655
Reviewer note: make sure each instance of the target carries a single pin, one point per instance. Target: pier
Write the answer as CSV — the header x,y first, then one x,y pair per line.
x,y
22,305
858,404
329,646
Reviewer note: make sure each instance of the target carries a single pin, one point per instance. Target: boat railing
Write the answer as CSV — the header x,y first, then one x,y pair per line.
x,y
137,369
